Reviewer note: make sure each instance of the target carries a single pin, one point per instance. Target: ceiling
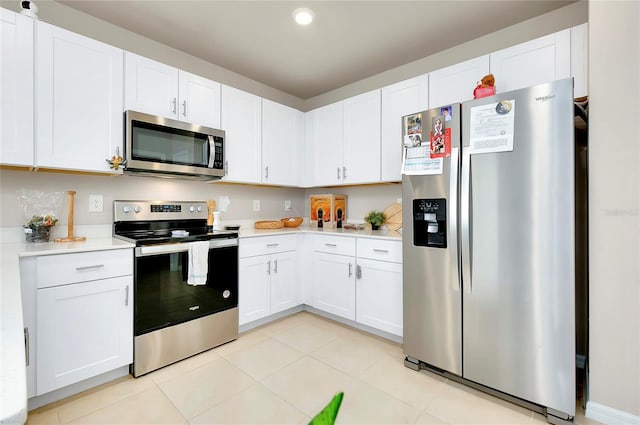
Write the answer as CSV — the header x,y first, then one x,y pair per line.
x,y
348,40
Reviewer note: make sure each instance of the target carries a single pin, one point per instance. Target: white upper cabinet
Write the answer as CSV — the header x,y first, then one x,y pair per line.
x,y
361,160
456,83
534,62
580,60
16,89
242,123
158,89
346,141
398,100
79,101
282,136
327,138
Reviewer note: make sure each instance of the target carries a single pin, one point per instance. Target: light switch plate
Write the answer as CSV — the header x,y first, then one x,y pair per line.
x,y
256,205
287,205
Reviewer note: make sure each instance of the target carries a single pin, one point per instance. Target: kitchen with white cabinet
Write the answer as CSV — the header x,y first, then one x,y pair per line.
x,y
348,148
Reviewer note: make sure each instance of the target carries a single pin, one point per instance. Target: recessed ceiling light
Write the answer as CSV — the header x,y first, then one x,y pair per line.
x,y
303,16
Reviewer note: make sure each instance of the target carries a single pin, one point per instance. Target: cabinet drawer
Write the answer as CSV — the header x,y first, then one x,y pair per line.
x,y
62,269
343,245
264,245
378,249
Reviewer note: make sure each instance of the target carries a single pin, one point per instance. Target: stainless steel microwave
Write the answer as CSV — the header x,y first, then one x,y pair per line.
x,y
165,147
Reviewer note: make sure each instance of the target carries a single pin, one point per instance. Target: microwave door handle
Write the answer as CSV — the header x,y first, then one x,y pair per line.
x,y
212,151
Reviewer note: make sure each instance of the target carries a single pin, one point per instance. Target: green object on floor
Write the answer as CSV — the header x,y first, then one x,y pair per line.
x,y
327,416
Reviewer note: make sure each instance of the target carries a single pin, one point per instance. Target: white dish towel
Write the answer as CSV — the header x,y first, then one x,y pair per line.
x,y
198,263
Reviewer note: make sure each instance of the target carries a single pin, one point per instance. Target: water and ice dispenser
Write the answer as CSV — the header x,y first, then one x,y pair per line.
x,y
430,222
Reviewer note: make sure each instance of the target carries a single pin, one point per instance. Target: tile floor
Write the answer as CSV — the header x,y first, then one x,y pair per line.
x,y
284,373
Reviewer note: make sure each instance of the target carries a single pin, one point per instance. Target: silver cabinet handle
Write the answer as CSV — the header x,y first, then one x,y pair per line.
x,y
126,295
184,108
26,345
269,267
350,271
275,266
358,272
272,245
344,172
174,104
382,251
95,266
331,245
338,173
266,172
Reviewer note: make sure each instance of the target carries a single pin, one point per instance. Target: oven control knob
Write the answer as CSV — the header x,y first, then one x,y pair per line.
x,y
126,209
199,209
226,294
137,210
192,208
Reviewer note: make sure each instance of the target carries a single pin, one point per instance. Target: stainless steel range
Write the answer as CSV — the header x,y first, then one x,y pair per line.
x,y
174,316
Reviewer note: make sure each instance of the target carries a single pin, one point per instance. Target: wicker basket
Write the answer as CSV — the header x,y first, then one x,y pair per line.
x,y
269,224
291,221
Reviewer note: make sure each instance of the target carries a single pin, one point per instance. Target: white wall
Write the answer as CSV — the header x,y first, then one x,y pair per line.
x,y
614,205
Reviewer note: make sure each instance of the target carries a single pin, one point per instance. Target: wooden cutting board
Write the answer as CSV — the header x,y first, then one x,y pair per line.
x,y
393,214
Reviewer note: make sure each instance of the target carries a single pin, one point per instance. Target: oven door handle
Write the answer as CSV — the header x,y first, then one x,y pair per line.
x,y
145,251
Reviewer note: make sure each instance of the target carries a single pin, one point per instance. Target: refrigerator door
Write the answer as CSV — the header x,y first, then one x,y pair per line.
x,y
517,222
431,283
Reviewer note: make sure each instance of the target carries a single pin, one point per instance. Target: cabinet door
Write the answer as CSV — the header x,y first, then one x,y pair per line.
x,y
78,101
455,83
16,89
150,87
398,100
284,287
580,60
199,100
534,62
361,163
281,130
84,329
334,288
253,287
242,122
379,300
327,137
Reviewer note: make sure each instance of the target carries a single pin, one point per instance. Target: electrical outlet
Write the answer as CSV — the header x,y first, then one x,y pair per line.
x,y
399,200
256,205
287,205
96,203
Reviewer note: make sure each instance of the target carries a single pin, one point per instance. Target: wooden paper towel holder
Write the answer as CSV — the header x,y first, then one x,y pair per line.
x,y
70,237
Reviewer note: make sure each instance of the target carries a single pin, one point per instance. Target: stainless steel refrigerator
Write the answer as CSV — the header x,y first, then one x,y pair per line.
x,y
488,246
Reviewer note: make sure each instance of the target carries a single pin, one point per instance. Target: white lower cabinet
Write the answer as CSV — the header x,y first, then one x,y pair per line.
x,y
78,316
334,285
379,295
84,329
267,276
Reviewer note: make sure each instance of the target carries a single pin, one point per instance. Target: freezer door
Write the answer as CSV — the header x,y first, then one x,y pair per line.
x,y
517,222
431,283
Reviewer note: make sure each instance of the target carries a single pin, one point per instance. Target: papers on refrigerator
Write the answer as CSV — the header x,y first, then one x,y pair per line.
x,y
491,127
416,154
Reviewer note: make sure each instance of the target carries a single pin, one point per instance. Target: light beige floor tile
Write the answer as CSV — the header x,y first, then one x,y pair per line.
x,y
263,359
287,323
306,337
148,407
427,419
197,390
43,417
179,368
363,404
389,374
308,384
458,404
244,340
254,405
352,356
75,407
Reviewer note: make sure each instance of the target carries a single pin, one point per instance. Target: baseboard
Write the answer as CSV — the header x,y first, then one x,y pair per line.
x,y
608,415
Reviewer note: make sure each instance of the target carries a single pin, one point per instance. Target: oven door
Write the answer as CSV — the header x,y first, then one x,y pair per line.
x,y
162,296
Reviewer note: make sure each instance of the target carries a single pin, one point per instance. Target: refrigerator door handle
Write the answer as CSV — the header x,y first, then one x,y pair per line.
x,y
465,219
453,219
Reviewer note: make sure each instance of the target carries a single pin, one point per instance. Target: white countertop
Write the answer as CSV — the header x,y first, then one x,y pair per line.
x,y
248,231
13,384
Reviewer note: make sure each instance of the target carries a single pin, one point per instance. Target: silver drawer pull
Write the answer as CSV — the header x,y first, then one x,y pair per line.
x,y
96,266
272,245
331,244
383,251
